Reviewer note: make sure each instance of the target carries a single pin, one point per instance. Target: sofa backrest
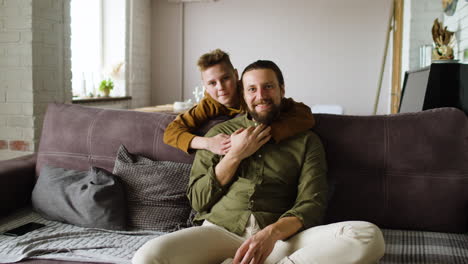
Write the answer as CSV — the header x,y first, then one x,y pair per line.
x,y
404,171
77,137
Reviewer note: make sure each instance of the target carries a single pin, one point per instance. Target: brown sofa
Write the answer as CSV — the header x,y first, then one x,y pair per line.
x,y
407,173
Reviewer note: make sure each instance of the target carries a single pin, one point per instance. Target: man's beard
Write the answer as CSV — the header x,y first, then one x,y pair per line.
x,y
268,117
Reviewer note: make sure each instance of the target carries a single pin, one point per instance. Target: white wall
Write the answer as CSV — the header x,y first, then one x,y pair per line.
x,y
423,14
458,23
114,38
330,52
166,52
405,57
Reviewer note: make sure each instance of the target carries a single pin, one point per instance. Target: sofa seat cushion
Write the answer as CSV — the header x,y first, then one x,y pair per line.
x,y
419,247
155,190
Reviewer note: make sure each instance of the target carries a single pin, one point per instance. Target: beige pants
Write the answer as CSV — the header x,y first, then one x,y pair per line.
x,y
338,243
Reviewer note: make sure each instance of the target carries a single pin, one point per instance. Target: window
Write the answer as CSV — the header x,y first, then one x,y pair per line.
x,y
97,46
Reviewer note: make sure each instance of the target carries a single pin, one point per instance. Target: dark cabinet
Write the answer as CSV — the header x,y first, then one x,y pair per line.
x,y
447,86
440,85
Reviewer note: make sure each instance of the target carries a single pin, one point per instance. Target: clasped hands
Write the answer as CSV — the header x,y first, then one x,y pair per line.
x,y
242,143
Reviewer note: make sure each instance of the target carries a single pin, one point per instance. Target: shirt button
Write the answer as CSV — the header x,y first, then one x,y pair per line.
x,y
260,156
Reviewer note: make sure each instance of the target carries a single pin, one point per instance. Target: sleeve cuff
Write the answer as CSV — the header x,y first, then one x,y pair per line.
x,y
216,186
298,215
183,142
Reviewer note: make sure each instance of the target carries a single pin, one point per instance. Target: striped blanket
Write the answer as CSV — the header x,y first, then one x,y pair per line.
x,y
68,242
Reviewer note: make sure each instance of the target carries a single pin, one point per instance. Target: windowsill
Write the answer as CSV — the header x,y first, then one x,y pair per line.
x,y
100,99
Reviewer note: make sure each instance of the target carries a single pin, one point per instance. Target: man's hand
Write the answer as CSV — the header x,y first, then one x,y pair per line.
x,y
245,142
256,249
219,144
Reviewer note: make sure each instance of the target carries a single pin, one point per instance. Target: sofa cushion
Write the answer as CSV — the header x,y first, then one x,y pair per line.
x,y
403,171
91,198
156,191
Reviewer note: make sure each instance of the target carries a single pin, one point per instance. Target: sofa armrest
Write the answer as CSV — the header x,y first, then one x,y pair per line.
x,y
17,177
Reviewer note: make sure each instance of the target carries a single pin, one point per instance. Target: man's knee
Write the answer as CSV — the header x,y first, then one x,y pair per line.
x,y
365,239
195,242
152,252
160,250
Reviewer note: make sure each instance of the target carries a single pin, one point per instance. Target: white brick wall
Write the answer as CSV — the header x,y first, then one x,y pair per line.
x,y
423,14
34,69
8,109
10,133
139,53
50,46
3,120
67,74
15,66
458,23
9,37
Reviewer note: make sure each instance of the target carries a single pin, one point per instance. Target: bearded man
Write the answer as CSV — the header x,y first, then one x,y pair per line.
x,y
263,202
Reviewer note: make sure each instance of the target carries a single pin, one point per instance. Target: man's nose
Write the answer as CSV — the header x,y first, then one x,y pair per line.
x,y
261,93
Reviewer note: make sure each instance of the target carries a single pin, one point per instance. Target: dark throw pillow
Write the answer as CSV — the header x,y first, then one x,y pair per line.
x,y
93,198
156,191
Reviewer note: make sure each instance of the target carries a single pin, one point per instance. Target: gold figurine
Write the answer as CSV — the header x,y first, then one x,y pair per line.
x,y
443,41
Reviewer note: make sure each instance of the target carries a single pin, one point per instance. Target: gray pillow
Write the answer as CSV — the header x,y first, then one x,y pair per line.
x,y
156,191
93,198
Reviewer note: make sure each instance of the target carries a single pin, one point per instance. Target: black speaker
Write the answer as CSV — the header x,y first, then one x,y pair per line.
x,y
447,86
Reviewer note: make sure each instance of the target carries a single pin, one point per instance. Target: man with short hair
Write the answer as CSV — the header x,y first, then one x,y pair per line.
x,y
263,202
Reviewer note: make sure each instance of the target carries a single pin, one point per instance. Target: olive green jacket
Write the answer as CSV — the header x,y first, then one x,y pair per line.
x,y
281,179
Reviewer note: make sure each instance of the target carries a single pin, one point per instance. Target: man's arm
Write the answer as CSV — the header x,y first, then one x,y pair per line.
x,y
311,200
210,174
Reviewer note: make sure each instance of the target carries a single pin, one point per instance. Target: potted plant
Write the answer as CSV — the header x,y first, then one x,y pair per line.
x,y
106,86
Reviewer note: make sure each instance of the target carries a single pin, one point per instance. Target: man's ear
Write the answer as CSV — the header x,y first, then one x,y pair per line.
x,y
282,90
